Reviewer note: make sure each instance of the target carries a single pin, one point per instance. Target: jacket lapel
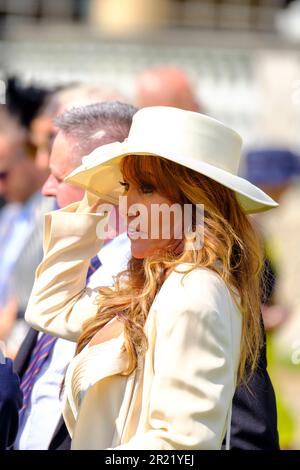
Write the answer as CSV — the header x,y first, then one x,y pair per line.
x,y
61,439
22,359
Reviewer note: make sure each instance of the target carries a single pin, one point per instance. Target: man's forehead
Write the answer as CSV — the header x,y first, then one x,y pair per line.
x,y
59,152
62,158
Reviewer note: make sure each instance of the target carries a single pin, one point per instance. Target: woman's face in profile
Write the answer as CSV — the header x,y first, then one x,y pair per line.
x,y
154,223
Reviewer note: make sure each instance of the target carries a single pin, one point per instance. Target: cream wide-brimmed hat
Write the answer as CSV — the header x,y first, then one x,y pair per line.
x,y
191,139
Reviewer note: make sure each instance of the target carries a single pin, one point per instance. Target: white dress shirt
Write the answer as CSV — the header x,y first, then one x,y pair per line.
x,y
45,407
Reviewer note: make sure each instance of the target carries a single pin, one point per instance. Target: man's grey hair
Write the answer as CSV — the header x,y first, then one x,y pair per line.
x,y
96,124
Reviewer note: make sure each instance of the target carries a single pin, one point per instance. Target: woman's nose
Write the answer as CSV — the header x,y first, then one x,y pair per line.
x,y
130,205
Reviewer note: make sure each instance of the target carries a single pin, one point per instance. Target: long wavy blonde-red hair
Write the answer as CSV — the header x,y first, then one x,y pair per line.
x,y
229,238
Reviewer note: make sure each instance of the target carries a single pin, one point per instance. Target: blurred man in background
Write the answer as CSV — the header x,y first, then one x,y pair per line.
x,y
166,86
20,219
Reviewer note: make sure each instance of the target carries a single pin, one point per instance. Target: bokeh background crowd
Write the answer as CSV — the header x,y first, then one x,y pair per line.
x,y
235,60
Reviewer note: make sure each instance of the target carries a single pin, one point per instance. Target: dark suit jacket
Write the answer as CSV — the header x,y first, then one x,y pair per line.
x,y
254,414
10,403
254,417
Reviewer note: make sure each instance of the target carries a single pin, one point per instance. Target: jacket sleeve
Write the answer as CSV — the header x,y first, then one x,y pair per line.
x,y
194,367
60,302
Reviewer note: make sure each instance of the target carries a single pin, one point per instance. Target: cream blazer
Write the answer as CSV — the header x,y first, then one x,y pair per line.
x,y
181,395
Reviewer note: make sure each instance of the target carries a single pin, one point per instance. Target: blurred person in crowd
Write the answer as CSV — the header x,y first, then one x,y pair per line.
x,y
25,101
275,171
29,104
83,94
20,219
42,128
80,130
19,182
166,86
115,395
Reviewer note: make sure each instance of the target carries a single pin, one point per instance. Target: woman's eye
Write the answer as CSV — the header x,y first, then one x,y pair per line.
x,y
147,188
124,185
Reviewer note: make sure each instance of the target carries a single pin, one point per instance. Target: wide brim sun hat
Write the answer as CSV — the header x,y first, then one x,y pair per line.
x,y
188,138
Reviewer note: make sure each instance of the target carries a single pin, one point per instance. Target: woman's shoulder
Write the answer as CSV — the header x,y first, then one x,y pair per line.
x,y
195,289
187,278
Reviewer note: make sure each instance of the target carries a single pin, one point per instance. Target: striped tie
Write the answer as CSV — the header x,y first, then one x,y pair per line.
x,y
95,263
38,357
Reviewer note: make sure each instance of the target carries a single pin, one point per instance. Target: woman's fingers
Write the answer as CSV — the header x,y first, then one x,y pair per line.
x,y
89,203
94,207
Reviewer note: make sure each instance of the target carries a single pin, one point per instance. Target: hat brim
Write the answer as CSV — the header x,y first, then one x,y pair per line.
x,y
101,175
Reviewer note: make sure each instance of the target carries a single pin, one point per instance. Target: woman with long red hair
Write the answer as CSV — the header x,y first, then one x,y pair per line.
x,y
159,354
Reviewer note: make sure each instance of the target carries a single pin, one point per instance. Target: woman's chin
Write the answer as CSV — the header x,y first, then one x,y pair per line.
x,y
138,254
140,249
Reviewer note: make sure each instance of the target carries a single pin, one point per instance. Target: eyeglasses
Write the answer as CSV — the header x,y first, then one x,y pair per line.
x,y
3,175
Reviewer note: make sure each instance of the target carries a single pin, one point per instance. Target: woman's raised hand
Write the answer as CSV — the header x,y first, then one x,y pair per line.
x,y
89,203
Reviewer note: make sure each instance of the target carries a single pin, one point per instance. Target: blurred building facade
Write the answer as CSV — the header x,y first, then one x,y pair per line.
x,y
251,15
230,50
